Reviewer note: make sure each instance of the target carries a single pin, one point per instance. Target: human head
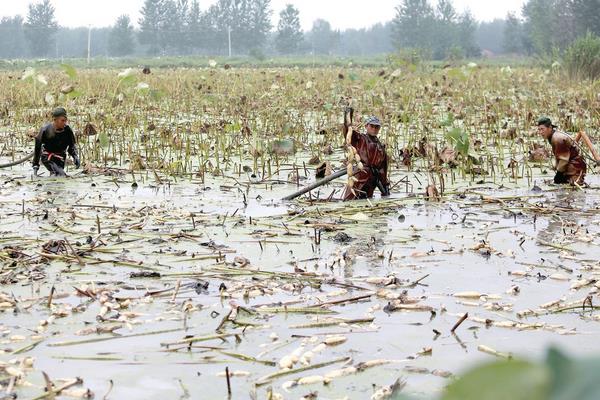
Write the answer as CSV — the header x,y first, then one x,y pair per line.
x,y
373,125
545,127
59,118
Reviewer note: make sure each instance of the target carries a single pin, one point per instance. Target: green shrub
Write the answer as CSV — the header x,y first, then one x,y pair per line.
x,y
257,54
409,57
582,58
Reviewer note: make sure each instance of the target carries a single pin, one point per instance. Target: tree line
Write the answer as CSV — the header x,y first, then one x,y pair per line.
x,y
245,27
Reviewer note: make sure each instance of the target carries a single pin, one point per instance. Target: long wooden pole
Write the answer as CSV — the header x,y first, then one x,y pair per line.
x,y
17,162
315,185
348,116
588,143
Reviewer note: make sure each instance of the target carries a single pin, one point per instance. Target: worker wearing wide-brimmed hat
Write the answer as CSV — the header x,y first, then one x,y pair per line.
x,y
52,144
570,165
374,159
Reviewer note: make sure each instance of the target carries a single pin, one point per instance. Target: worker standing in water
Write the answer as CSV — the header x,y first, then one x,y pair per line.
x,y
373,156
570,166
52,144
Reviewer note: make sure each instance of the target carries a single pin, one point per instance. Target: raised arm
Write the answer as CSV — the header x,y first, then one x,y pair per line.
x,y
350,135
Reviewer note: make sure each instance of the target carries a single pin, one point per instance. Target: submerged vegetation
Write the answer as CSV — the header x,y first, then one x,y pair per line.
x,y
170,268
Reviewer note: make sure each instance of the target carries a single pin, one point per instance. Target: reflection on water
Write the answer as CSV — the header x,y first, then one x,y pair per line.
x,y
458,245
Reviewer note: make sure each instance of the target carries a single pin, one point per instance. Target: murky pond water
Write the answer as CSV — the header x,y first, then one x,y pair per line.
x,y
238,279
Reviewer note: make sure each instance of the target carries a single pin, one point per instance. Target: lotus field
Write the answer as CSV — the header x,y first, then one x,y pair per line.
x,y
169,266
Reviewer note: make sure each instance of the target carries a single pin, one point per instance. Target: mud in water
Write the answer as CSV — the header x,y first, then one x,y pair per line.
x,y
172,257
261,285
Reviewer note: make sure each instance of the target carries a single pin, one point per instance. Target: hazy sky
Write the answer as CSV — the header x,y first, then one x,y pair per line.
x,y
342,14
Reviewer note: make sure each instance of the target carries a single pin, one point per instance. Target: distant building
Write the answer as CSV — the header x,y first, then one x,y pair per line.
x,y
485,53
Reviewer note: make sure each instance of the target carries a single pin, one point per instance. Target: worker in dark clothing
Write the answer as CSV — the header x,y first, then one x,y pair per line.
x,y
52,144
374,161
570,165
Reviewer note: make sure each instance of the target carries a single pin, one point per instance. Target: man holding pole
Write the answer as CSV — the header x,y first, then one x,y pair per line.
x,y
368,153
570,165
373,165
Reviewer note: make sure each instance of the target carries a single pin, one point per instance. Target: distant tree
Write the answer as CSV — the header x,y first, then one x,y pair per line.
x,y
289,36
587,16
366,41
195,27
227,17
412,24
121,39
489,35
512,41
247,21
151,21
175,23
565,31
445,29
73,42
322,38
40,29
551,25
467,26
260,23
446,11
440,31
540,23
12,37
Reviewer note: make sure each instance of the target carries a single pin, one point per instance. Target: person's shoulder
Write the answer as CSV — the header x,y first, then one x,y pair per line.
x,y
560,136
359,133
45,129
561,141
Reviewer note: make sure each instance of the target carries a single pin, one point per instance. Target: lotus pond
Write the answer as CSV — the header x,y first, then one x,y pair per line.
x,y
169,258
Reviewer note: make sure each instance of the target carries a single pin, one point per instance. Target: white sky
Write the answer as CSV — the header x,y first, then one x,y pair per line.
x,y
342,14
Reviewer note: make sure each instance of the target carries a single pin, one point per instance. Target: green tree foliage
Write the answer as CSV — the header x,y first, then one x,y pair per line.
x,y
445,29
176,24
467,26
260,22
412,24
366,41
551,25
441,31
323,39
121,39
249,22
289,36
12,37
151,22
512,37
586,13
489,35
195,32
164,26
41,28
226,18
